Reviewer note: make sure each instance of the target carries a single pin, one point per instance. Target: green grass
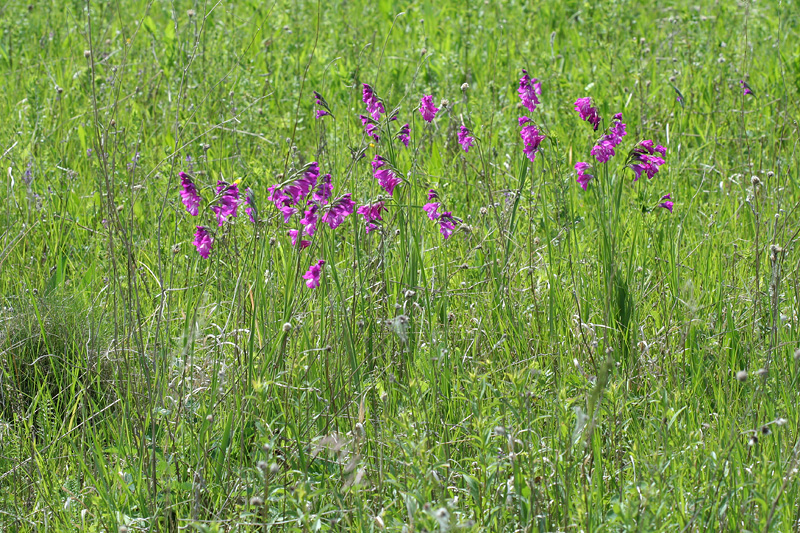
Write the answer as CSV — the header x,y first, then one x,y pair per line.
x,y
566,361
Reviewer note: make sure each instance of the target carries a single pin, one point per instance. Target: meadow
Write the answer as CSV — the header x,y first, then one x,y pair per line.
x,y
399,265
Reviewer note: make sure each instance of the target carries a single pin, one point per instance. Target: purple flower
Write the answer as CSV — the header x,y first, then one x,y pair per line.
x,y
324,190
404,135
465,139
309,220
447,224
588,113
374,105
203,242
642,159
228,198
427,109
528,90
604,149
432,194
296,191
189,194
313,274
432,209
377,162
531,138
372,213
583,177
667,204
324,109
294,234
387,180
370,127
746,88
287,212
340,208
250,205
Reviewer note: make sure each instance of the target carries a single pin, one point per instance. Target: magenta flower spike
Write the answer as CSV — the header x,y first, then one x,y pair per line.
x,y
531,138
465,138
203,242
374,105
404,135
528,91
668,203
324,190
313,274
189,195
447,224
642,159
371,214
583,177
588,113
746,88
432,209
228,198
340,208
387,179
604,149
309,220
427,109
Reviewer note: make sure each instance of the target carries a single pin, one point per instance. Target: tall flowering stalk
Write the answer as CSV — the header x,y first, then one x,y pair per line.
x,y
607,187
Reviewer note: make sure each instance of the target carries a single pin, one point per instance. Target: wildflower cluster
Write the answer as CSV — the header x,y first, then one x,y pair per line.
x,y
641,159
447,222
224,205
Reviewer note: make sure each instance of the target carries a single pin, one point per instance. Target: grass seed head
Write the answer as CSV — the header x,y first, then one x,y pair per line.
x,y
741,375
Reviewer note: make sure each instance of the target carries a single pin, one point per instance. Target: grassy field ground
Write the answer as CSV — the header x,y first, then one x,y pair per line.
x,y
542,358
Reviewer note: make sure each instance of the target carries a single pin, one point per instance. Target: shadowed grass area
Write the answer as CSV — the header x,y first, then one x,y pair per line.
x,y
547,357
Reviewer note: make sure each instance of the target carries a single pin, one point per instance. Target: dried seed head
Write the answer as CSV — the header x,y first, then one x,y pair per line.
x,y
191,13
287,327
761,372
445,103
464,87
781,421
272,241
256,501
423,52
263,466
741,375
209,418
359,430
87,54
500,430
755,181
409,294
765,430
123,529
384,397
274,468
770,174
753,441
483,211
